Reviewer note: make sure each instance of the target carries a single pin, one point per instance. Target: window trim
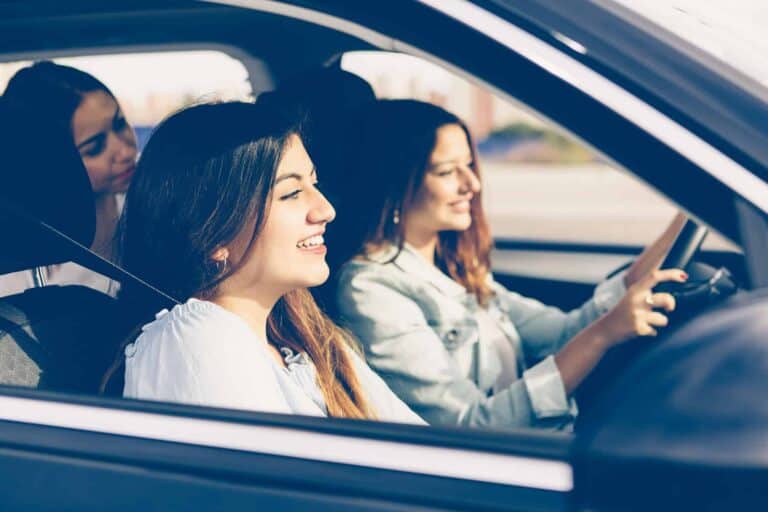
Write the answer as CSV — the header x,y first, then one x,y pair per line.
x,y
274,439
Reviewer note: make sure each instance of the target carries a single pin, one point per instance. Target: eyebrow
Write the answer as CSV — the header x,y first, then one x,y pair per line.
x,y
451,161
295,176
95,137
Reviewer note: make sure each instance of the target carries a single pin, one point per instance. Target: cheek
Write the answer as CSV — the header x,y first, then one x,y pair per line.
x,y
97,170
433,197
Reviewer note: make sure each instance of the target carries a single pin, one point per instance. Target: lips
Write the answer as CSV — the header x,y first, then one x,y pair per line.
x,y
460,206
126,175
313,242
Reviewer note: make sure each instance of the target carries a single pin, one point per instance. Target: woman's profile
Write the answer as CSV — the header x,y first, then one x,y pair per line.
x,y
225,216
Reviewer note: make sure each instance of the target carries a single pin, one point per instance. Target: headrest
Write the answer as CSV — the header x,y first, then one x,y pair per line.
x,y
42,180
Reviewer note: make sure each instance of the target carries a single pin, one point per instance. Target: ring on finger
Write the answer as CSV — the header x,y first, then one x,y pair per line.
x,y
649,300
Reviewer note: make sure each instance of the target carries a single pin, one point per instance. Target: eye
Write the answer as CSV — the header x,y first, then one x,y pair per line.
x,y
291,195
95,148
445,171
119,124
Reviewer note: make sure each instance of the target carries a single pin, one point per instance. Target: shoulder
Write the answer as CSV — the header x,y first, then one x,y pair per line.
x,y
192,331
364,273
196,320
200,353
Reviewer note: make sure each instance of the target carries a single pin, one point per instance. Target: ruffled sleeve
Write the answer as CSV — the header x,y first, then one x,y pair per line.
x,y
198,354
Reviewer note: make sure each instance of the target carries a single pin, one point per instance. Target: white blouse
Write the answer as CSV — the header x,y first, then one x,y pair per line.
x,y
200,353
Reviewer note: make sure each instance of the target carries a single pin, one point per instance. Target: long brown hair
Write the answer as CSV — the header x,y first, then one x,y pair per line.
x,y
397,139
205,174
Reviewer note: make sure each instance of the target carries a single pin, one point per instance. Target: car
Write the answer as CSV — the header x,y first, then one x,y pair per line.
x,y
681,425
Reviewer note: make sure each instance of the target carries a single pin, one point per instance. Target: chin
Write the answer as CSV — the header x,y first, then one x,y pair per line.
x,y
318,276
459,225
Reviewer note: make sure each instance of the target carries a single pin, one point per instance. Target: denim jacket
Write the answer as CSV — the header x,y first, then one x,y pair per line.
x,y
419,332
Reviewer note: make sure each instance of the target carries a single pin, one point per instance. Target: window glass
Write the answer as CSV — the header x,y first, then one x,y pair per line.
x,y
149,86
538,183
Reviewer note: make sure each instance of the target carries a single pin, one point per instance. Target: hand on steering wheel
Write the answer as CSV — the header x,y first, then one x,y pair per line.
x,y
637,313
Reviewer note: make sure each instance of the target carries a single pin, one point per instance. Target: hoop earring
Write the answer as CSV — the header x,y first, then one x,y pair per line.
x,y
396,216
222,265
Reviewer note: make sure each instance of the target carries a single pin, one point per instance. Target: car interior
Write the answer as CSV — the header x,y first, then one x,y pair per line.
x,y
65,338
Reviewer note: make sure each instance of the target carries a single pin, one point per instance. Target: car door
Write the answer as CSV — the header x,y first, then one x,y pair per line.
x,y
60,452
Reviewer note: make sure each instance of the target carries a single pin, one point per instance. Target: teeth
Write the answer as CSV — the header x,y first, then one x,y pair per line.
x,y
311,242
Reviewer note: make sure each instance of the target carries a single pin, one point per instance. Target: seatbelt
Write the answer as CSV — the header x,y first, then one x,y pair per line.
x,y
83,255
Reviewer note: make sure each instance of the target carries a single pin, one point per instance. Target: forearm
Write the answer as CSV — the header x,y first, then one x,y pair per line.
x,y
654,254
581,354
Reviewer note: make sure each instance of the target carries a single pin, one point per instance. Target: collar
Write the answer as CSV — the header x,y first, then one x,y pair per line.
x,y
411,262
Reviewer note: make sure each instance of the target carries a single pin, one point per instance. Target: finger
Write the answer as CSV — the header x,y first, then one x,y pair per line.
x,y
663,300
657,319
646,330
660,276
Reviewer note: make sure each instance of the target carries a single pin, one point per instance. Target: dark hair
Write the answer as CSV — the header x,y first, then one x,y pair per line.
x,y
397,139
207,173
52,91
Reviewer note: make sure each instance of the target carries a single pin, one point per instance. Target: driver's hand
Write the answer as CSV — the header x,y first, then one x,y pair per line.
x,y
637,313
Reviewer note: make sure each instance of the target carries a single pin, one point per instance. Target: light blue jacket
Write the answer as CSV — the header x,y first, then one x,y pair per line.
x,y
419,332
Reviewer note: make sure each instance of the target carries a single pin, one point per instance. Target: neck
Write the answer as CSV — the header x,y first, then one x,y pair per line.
x,y
424,244
252,310
107,215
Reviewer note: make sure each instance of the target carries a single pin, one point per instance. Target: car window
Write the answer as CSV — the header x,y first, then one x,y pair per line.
x,y
149,86
539,182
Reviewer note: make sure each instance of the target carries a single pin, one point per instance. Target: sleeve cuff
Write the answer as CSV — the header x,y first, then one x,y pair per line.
x,y
609,292
546,389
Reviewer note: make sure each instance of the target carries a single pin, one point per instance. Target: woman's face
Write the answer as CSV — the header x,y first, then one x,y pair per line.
x,y
442,203
106,142
290,251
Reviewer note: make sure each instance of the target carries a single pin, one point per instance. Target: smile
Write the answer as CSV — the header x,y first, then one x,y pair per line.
x,y
311,242
460,206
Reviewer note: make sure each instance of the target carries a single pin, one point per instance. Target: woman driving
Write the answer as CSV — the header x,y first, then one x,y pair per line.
x,y
455,345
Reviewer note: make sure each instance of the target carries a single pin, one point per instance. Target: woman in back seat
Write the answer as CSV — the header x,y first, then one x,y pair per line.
x,y
107,144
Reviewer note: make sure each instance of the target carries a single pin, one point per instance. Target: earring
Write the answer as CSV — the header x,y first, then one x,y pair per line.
x,y
396,216
221,265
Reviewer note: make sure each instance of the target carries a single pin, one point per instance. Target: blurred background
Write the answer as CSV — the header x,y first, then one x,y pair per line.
x,y
539,182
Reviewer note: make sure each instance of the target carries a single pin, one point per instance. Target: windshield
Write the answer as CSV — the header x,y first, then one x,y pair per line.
x,y
733,32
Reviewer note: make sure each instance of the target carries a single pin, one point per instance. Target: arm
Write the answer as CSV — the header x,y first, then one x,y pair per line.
x,y
412,359
654,254
633,316
545,329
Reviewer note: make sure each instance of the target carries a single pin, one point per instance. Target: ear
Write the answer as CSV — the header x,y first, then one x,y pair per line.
x,y
220,254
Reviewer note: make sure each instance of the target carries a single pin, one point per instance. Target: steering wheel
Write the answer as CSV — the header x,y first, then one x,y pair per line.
x,y
685,246
703,285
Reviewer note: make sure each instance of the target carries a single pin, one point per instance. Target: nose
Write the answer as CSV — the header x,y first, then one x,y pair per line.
x,y
125,146
470,181
322,211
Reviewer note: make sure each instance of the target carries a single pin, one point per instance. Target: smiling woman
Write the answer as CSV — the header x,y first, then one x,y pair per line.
x,y
229,222
455,345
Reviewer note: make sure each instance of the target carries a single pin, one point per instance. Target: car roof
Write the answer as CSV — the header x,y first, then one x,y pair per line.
x,y
50,28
